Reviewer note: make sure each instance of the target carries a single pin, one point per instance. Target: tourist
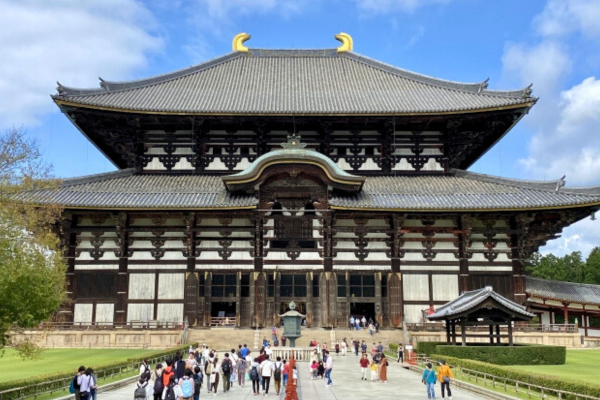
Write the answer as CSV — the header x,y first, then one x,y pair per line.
x,y
324,350
374,370
364,365
371,329
145,370
383,364
75,382
173,387
444,375
215,374
337,347
197,377
84,382
254,376
356,346
191,362
373,349
363,346
158,381
266,371
277,370
283,339
241,366
187,385
205,354
295,375
226,369
344,346
380,348
328,369
265,342
363,322
429,378
179,367
376,327
400,353
274,333
244,351
321,370
269,351
285,373
143,387
167,372
93,383
351,322
314,365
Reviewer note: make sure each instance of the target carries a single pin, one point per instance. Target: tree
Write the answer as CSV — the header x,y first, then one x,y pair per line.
x,y
592,267
32,268
569,268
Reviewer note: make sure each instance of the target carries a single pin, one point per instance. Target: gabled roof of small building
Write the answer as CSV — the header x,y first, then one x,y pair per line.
x,y
458,191
471,301
569,292
293,82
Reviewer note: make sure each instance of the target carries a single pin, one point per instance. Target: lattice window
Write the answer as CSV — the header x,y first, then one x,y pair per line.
x,y
224,285
292,285
362,285
96,286
341,285
245,285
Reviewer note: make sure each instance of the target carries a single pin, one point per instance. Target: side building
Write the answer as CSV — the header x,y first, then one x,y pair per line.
x,y
321,176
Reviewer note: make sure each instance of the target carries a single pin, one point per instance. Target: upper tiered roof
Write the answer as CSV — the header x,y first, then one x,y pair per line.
x,y
293,82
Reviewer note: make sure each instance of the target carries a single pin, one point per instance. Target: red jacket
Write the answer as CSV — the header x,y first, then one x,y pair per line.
x,y
166,374
364,362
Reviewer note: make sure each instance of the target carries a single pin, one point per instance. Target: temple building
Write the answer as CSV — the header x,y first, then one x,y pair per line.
x,y
319,176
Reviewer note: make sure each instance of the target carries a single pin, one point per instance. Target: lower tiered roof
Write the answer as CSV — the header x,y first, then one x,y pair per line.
x,y
457,191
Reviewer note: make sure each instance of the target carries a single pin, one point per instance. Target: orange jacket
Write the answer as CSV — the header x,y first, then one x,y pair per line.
x,y
443,371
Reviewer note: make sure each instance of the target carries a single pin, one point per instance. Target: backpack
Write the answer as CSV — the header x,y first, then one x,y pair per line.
x,y
197,383
254,374
158,385
187,388
73,385
140,393
170,394
277,373
226,366
146,374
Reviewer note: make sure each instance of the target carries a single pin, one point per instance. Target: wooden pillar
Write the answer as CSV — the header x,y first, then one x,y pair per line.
x,y
276,298
453,333
68,239
395,300
191,282
492,334
378,299
309,299
510,333
208,299
260,297
498,338
448,339
566,312
327,221
121,228
463,329
518,269
465,225
258,242
585,322
238,297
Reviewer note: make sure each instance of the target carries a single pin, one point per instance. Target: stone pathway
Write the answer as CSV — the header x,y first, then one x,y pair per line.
x,y
346,386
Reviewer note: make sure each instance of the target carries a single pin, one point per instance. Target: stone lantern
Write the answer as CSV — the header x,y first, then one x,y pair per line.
x,y
292,323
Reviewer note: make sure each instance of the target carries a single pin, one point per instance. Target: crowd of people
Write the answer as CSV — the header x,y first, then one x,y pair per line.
x,y
363,323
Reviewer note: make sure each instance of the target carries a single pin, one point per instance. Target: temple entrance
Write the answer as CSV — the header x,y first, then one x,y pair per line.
x,y
358,310
222,314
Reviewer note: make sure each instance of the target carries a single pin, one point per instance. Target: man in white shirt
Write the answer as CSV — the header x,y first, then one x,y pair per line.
x,y
269,351
328,368
266,370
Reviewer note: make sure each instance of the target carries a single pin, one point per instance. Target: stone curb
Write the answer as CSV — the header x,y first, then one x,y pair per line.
x,y
107,387
473,388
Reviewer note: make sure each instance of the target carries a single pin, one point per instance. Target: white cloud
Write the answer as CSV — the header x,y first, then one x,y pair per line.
x,y
561,17
582,236
386,6
72,42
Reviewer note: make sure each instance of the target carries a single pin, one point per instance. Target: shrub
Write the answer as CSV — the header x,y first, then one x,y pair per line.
x,y
427,347
61,380
527,377
507,355
393,347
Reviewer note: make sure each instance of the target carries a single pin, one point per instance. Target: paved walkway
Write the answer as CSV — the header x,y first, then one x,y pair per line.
x,y
346,386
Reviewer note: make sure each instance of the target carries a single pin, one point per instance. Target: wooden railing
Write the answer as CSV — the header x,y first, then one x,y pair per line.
x,y
110,326
222,321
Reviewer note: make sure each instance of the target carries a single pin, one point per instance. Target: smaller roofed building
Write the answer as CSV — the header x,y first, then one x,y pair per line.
x,y
556,302
480,308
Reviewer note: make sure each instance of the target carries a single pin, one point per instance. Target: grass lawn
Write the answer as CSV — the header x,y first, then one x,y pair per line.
x,y
581,365
12,367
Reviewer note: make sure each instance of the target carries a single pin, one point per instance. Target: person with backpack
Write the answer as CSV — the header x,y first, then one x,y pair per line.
x,y
142,390
94,383
172,390
429,378
197,377
187,385
241,371
158,386
84,381
74,387
254,376
145,370
277,369
215,375
226,369
167,373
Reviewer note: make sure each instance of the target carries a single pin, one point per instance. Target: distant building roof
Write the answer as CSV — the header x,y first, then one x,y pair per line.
x,y
458,191
293,82
546,289
471,301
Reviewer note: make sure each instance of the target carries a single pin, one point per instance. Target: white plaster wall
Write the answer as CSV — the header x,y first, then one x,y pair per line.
x,y
141,286
445,287
413,313
415,287
170,313
105,313
83,313
140,312
171,286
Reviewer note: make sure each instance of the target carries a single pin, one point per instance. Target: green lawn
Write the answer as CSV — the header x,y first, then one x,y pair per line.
x,y
581,365
12,367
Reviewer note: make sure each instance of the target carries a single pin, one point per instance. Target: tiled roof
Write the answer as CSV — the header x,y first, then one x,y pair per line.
x,y
459,191
547,289
472,300
271,82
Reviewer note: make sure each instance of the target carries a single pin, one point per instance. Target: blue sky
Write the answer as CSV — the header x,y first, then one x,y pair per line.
x,y
551,43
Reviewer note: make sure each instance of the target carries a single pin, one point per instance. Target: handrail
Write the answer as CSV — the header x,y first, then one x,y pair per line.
x,y
519,386
222,321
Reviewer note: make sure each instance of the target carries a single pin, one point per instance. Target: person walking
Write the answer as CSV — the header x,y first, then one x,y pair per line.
x,y
357,322
241,371
383,364
84,380
172,387
344,346
429,378
364,367
277,372
400,353
254,374
374,369
363,321
93,383
356,346
444,375
266,371
351,322
226,368
215,375
158,386
328,369
285,373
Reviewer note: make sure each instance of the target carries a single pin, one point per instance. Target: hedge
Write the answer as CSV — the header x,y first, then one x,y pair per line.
x,y
507,355
60,380
393,347
427,347
552,382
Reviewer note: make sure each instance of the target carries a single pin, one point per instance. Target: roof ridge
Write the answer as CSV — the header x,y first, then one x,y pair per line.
x,y
80,180
475,87
563,282
550,185
114,86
